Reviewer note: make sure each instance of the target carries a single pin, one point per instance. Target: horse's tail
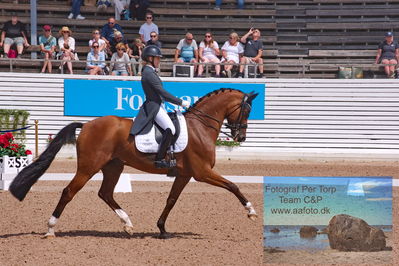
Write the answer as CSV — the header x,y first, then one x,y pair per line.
x,y
30,174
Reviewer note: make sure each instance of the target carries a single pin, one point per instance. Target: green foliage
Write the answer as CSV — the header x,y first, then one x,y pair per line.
x,y
227,142
12,119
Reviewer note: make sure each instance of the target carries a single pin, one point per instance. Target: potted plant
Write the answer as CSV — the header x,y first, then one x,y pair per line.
x,y
13,156
226,144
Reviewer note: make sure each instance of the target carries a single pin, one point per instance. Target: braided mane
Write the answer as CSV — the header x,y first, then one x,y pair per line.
x,y
215,92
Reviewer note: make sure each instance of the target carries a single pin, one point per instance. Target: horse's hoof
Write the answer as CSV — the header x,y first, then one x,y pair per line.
x,y
128,229
48,235
252,216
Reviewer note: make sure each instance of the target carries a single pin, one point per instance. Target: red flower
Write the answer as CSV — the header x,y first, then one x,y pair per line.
x,y
28,152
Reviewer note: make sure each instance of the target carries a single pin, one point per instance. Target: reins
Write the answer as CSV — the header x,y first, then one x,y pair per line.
x,y
235,126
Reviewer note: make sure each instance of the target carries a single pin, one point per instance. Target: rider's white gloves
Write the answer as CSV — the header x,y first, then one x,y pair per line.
x,y
185,104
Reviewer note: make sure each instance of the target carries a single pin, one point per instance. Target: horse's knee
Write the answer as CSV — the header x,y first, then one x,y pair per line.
x,y
66,194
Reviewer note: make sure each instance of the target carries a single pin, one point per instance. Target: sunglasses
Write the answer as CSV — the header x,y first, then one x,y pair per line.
x,y
153,36
208,36
189,39
96,33
111,23
96,46
122,50
65,32
47,30
148,17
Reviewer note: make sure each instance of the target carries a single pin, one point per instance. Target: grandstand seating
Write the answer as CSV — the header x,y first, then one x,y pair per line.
x,y
302,38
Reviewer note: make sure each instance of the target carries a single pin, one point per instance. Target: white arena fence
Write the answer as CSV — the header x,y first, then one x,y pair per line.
x,y
304,118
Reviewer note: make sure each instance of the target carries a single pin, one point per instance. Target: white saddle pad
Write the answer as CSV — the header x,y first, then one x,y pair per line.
x,y
147,143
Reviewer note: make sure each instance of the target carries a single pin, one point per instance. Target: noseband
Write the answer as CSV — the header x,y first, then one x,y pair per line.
x,y
234,127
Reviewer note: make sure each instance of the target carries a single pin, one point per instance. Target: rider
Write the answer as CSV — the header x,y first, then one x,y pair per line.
x,y
151,110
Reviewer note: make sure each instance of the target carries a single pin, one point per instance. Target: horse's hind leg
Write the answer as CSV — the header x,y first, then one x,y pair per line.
x,y
112,171
215,179
177,188
79,180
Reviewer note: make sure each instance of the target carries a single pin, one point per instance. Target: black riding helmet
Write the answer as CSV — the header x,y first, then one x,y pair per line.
x,y
151,50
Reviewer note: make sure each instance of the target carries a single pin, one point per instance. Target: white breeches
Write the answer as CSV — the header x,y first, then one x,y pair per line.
x,y
163,120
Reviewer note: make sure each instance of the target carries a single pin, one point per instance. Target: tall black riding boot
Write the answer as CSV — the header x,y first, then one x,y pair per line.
x,y
160,161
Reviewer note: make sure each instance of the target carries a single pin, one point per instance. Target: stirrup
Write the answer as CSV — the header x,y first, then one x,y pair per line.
x,y
162,164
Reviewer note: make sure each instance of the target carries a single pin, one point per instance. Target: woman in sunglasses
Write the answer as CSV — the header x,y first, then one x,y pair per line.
x,y
95,60
208,52
232,51
120,65
97,38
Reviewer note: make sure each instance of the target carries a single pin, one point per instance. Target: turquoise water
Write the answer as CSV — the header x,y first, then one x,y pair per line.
x,y
288,238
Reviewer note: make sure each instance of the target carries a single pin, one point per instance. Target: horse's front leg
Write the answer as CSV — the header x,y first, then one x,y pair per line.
x,y
177,187
215,179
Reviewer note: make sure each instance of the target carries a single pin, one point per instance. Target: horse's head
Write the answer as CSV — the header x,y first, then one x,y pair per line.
x,y
237,118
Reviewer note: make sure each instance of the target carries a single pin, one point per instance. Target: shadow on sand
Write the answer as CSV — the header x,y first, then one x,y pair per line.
x,y
94,233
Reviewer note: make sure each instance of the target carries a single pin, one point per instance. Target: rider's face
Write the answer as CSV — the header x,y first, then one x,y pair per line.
x,y
157,60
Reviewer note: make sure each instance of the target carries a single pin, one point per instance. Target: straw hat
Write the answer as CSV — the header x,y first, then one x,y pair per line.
x,y
65,28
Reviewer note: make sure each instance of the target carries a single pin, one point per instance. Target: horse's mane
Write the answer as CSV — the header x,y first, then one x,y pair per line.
x,y
215,92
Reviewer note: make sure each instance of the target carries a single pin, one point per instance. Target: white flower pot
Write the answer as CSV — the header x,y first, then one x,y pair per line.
x,y
10,166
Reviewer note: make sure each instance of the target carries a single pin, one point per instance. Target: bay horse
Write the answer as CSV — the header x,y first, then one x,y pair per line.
x,y
105,144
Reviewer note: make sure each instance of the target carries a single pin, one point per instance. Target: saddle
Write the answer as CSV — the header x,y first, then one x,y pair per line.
x,y
149,143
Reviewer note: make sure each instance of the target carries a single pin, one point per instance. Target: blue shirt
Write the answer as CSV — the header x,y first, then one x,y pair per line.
x,y
48,42
108,33
93,61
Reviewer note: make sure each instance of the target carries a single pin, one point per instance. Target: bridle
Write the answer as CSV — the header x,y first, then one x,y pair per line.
x,y
234,127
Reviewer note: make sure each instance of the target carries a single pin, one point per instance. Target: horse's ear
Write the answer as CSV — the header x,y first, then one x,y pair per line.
x,y
252,96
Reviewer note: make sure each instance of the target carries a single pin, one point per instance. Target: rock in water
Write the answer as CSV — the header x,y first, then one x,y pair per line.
x,y
348,233
308,231
275,230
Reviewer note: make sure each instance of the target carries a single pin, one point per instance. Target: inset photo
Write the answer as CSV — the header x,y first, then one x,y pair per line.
x,y
327,219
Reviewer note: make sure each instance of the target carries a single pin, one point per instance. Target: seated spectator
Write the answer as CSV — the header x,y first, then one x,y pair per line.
x,y
138,9
208,53
148,27
13,33
187,50
231,52
388,54
75,10
108,30
96,38
135,50
48,43
103,4
118,38
66,46
120,63
154,40
253,49
95,61
121,7
240,4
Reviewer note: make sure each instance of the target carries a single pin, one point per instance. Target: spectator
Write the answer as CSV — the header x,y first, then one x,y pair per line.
x,y
66,45
13,32
96,38
388,54
240,4
107,32
121,6
187,50
148,27
95,61
103,4
135,51
75,10
231,53
154,40
118,38
120,65
48,43
208,52
253,49
138,9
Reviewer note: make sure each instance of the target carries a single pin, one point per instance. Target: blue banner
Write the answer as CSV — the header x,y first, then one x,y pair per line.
x,y
124,98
